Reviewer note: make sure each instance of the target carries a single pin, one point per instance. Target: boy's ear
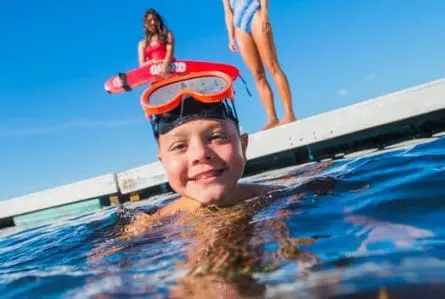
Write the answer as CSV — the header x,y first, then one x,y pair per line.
x,y
244,143
159,157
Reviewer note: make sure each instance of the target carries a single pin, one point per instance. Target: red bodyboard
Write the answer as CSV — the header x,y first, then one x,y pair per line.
x,y
150,73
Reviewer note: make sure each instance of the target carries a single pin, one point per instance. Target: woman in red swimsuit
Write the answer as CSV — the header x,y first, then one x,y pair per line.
x,y
158,44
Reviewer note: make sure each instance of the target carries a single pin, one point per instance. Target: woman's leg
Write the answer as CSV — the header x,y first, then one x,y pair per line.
x,y
251,58
266,48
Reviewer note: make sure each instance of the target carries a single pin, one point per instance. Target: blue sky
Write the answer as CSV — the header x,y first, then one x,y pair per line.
x,y
58,126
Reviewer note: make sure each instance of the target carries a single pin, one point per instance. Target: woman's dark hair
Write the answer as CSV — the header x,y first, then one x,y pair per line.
x,y
161,29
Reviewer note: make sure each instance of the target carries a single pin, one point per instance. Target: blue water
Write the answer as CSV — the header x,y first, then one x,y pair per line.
x,y
368,227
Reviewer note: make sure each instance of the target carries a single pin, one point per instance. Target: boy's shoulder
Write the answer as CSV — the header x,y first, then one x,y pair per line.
x,y
245,192
251,190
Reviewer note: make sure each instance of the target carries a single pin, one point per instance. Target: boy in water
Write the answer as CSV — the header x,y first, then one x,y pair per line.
x,y
200,145
204,155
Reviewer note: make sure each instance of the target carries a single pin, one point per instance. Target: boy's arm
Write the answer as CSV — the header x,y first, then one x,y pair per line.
x,y
132,230
138,227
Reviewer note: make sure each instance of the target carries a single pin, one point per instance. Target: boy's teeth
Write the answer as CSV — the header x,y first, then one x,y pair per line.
x,y
207,175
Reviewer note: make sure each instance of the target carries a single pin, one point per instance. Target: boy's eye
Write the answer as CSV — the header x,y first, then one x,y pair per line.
x,y
218,136
178,146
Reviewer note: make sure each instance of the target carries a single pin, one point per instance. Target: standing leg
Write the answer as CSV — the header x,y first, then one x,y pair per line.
x,y
251,58
266,48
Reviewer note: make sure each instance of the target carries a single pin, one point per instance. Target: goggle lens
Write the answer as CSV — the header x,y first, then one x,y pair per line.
x,y
203,85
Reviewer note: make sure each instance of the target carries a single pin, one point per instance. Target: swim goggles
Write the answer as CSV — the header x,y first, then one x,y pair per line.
x,y
206,87
173,101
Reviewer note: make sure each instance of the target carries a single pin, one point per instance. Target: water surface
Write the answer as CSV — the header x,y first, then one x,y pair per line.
x,y
367,227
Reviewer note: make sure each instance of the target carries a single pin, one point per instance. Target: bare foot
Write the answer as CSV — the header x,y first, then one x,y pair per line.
x,y
270,124
287,119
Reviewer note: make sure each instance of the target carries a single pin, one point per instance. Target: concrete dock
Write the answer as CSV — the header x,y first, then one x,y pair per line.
x,y
361,128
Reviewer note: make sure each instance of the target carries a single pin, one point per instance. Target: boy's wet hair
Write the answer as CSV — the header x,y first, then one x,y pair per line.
x,y
191,109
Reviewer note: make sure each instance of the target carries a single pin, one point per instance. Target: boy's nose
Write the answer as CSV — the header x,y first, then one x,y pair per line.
x,y
201,152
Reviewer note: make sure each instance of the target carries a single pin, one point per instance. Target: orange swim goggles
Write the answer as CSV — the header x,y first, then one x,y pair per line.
x,y
206,87
173,101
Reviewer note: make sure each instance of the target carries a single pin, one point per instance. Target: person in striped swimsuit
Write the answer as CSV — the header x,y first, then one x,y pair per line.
x,y
248,22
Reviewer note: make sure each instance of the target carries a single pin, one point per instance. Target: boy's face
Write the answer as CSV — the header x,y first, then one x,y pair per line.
x,y
204,159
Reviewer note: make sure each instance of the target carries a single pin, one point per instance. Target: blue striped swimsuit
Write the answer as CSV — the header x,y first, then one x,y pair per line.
x,y
243,12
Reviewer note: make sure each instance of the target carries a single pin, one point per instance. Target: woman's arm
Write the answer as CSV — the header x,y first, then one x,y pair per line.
x,y
141,54
170,46
264,6
229,19
229,24
264,16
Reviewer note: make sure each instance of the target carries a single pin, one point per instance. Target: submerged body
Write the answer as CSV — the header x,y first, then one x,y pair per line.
x,y
204,160
222,245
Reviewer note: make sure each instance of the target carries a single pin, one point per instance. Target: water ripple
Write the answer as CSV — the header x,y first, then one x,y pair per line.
x,y
349,227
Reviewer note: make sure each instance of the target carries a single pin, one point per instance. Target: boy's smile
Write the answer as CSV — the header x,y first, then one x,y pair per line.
x,y
206,177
